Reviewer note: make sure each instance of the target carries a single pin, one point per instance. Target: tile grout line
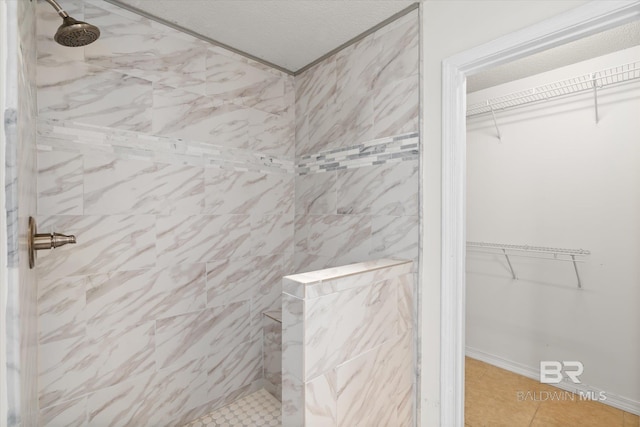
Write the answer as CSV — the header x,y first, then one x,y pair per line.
x,y
534,414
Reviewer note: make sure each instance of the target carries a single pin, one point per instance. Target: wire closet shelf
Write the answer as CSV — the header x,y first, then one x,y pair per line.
x,y
540,252
593,81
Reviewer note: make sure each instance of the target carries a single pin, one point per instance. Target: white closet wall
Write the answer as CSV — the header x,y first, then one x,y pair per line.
x,y
558,179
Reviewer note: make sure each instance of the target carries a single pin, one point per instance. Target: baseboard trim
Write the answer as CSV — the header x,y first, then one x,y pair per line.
x,y
613,400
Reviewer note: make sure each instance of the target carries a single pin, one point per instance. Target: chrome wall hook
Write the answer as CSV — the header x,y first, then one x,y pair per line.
x,y
37,242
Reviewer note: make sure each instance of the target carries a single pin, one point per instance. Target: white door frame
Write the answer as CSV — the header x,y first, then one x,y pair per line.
x,y
577,23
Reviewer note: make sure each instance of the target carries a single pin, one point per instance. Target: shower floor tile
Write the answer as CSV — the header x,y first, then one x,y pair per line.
x,y
257,409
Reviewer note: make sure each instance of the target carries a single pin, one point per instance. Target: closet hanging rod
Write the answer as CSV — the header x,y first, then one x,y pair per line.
x,y
528,248
503,248
579,261
604,78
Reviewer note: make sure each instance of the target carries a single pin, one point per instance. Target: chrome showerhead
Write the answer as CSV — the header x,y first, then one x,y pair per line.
x,y
73,33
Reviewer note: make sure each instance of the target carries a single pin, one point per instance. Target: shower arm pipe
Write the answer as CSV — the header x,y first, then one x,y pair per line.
x,y
58,8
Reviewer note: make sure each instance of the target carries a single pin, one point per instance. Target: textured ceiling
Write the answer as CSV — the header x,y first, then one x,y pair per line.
x,y
293,33
287,33
599,44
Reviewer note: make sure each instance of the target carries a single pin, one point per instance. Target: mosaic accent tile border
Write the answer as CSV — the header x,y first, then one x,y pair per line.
x,y
54,135
58,135
380,151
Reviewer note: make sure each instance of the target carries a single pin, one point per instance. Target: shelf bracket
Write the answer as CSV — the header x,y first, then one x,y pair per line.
x,y
575,267
513,273
495,123
595,94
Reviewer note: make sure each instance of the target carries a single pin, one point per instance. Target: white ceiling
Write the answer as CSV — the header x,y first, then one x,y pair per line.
x,y
287,33
293,33
609,41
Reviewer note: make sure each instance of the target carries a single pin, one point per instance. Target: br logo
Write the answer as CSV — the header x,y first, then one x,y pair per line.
x,y
551,371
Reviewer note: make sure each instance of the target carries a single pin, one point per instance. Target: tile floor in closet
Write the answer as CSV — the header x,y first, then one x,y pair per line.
x,y
491,401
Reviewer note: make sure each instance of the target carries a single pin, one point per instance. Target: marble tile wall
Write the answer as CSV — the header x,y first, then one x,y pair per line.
x,y
367,91
357,146
19,116
348,350
172,161
356,199
176,163
272,327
